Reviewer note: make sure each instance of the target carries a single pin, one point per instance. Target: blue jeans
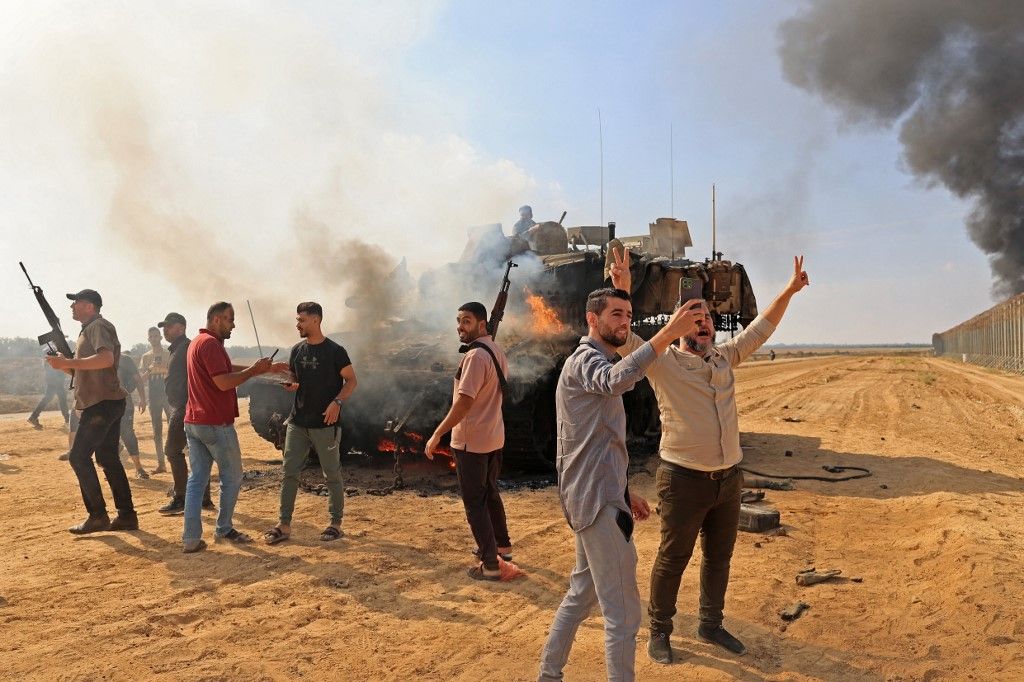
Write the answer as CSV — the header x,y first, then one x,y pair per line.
x,y
206,445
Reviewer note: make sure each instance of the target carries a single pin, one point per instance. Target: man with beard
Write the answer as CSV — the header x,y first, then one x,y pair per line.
x,y
210,425
176,391
322,379
101,398
478,436
592,461
154,371
698,479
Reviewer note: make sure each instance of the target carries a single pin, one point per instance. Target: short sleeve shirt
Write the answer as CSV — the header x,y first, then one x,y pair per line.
x,y
317,368
93,386
208,404
482,430
154,362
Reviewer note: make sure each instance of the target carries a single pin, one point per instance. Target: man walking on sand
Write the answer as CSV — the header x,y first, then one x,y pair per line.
x,y
101,398
128,374
592,462
322,379
210,425
698,480
478,436
154,371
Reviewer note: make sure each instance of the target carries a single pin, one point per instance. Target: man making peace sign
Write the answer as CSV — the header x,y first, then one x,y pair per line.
x,y
698,479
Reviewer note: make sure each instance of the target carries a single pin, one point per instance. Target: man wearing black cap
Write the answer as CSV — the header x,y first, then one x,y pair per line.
x,y
100,396
176,390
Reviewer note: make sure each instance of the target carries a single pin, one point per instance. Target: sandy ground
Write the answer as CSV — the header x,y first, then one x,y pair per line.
x,y
936,534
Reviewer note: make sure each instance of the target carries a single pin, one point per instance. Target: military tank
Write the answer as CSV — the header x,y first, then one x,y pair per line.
x,y
406,365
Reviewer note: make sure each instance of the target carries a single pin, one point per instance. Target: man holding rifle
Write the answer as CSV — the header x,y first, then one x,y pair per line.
x,y
698,479
101,398
478,436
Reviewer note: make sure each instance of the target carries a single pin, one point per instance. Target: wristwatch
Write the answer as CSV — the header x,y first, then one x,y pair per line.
x,y
338,401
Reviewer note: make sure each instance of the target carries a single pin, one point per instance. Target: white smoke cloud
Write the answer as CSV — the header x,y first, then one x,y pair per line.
x,y
202,138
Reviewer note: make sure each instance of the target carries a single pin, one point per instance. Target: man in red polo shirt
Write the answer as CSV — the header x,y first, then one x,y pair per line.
x,y
210,425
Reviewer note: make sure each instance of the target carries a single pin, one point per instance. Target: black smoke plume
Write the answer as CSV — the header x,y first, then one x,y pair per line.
x,y
951,72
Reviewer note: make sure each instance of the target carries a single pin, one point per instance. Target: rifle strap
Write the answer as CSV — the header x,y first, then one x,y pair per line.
x,y
502,382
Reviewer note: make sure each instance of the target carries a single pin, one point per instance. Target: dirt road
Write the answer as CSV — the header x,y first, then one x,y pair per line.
x,y
936,534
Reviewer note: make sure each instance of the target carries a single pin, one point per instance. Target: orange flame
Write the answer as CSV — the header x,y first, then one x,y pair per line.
x,y
413,445
543,320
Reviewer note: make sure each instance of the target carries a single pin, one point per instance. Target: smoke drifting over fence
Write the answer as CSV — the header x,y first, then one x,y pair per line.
x,y
949,72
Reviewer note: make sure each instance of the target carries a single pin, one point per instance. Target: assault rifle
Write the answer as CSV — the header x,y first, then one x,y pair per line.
x,y
54,339
498,311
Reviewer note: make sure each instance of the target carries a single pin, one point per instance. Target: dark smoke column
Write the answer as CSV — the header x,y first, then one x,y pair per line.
x,y
953,71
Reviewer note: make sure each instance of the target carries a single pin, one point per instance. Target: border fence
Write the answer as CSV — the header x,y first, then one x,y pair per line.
x,y
995,338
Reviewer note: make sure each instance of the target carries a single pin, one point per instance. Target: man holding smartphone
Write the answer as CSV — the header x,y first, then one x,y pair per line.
x,y
698,479
592,462
322,379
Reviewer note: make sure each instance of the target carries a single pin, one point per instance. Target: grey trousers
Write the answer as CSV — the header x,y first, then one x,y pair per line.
x,y
605,574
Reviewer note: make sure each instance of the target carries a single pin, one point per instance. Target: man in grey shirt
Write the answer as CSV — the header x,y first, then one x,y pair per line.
x,y
592,462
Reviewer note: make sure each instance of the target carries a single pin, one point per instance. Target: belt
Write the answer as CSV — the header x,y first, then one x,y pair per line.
x,y
716,475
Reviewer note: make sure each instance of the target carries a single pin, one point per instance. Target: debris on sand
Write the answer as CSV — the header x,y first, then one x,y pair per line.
x,y
809,576
793,611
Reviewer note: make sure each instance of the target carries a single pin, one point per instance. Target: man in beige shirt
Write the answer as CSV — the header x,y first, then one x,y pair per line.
x,y
478,436
698,481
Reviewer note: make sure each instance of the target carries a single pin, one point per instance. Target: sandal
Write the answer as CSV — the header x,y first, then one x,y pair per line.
x,y
330,533
477,573
507,556
275,535
235,536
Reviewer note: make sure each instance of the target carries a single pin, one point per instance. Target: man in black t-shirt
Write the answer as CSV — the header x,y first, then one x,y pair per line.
x,y
322,379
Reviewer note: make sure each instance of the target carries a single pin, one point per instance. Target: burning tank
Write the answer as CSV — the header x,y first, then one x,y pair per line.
x,y
406,364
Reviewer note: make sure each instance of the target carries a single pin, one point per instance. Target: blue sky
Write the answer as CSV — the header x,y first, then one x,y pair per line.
x,y
475,108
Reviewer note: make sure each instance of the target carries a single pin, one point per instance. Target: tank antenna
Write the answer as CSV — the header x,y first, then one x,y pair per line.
x,y
254,327
600,145
672,170
714,226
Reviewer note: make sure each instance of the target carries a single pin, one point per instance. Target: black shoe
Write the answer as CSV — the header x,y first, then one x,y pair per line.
x,y
208,505
659,649
93,524
721,637
173,508
125,522
34,421
65,457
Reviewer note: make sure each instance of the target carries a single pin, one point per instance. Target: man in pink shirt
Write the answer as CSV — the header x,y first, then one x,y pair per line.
x,y
478,436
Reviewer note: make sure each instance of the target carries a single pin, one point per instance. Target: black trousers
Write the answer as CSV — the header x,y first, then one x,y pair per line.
x,y
478,483
52,390
691,505
98,432
174,448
